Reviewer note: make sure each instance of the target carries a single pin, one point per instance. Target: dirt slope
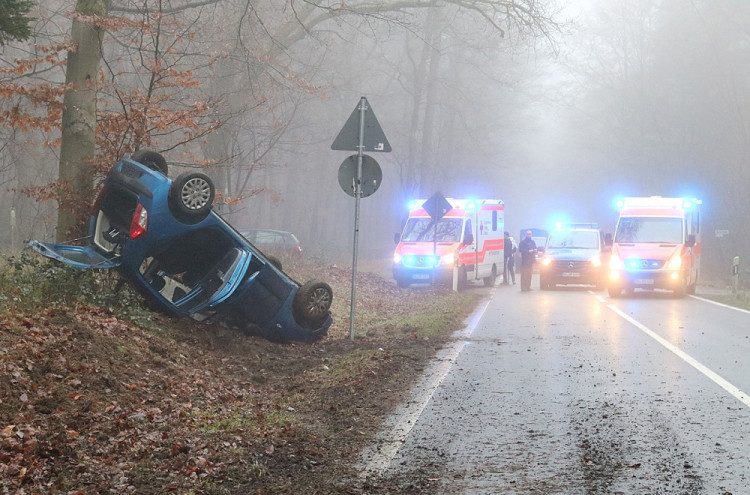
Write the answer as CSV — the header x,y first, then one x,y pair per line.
x,y
90,403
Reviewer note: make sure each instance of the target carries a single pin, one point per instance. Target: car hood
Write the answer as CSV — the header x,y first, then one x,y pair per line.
x,y
426,248
573,254
77,256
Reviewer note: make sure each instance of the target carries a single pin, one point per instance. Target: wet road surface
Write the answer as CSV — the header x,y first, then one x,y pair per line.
x,y
570,391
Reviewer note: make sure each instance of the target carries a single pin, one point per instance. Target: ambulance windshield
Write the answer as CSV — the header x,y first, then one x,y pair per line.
x,y
664,230
573,239
423,230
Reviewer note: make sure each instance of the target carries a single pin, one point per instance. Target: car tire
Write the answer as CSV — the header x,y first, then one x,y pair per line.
x,y
275,262
192,195
614,292
312,303
151,159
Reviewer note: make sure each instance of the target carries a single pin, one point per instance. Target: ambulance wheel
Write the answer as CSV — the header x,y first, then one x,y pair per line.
x,y
614,292
401,283
192,195
462,278
681,290
312,303
490,281
151,159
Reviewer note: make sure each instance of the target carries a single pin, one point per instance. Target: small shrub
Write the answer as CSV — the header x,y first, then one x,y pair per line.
x,y
29,282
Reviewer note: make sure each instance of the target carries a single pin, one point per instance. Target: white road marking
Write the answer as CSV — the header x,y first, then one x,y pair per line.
x,y
377,458
734,391
720,304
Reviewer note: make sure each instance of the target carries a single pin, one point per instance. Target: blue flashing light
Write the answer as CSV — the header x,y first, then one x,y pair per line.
x,y
414,204
471,205
412,260
619,202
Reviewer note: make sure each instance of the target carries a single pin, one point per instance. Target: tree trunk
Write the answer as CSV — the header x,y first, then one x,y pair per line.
x,y
78,146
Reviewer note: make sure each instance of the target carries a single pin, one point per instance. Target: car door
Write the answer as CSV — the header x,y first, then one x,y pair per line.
x,y
76,256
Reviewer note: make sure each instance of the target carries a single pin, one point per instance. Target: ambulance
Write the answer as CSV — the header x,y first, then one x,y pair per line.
x,y
657,245
468,239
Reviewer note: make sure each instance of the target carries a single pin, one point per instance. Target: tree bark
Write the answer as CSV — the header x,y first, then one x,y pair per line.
x,y
78,143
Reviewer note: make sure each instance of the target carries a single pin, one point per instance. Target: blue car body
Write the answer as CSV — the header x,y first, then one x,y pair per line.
x,y
192,264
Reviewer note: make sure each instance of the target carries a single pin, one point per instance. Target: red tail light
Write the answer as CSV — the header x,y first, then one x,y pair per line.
x,y
139,224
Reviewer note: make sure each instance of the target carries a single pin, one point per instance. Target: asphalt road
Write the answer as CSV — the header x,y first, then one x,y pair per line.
x,y
572,392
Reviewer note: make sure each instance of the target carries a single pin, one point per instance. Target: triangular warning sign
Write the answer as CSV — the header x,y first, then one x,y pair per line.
x,y
374,138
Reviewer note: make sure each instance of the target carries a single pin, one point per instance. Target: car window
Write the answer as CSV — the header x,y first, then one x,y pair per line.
x,y
580,239
190,270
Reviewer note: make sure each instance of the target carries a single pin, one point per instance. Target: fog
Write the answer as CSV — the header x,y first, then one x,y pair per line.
x,y
556,115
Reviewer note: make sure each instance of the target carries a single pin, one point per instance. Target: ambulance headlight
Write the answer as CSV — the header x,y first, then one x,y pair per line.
x,y
596,261
397,258
546,261
448,259
675,262
615,263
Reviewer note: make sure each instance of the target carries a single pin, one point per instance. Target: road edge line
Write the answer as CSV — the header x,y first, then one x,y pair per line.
x,y
376,458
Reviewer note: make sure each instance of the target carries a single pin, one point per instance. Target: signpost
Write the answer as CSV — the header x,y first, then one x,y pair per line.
x,y
360,133
437,206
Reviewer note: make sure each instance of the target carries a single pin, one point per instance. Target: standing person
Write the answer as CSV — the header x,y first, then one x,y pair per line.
x,y
528,255
509,247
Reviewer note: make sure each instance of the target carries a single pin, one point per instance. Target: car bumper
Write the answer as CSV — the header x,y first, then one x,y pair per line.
x,y
422,275
647,279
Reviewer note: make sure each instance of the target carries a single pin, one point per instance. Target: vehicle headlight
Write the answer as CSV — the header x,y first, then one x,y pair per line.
x,y
615,263
448,259
546,261
397,258
675,262
596,261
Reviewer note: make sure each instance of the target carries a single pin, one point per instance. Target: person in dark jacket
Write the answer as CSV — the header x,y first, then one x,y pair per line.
x,y
528,249
509,247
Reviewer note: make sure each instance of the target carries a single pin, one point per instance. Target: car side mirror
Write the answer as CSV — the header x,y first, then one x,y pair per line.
x,y
396,237
540,249
690,240
468,238
607,239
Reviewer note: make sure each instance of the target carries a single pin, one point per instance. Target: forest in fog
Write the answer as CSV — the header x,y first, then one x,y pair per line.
x,y
556,107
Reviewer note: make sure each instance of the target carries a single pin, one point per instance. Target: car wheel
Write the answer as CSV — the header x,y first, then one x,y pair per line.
x,y
151,159
312,302
490,281
275,262
614,291
192,194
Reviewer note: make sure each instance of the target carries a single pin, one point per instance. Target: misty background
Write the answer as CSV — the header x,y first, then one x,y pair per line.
x,y
556,114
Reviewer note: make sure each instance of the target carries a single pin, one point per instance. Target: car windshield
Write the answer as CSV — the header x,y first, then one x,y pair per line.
x,y
649,229
423,229
580,239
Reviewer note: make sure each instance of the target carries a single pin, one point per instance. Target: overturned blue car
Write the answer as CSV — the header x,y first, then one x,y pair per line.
x,y
166,241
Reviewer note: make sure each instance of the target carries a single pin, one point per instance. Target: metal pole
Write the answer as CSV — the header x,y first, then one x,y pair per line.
x,y
357,194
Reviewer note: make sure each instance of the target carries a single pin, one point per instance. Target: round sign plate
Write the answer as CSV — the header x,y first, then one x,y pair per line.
x,y
371,175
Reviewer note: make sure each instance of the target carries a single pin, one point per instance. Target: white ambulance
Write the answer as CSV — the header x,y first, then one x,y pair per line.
x,y
467,239
657,245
